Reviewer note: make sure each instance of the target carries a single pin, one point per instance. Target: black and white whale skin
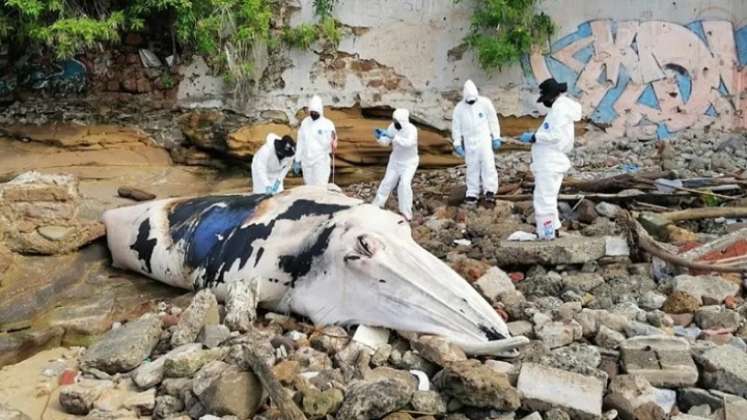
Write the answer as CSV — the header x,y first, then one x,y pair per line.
x,y
314,252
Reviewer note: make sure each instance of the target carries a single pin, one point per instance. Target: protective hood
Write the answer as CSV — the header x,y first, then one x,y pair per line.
x,y
316,105
569,107
271,137
401,115
470,91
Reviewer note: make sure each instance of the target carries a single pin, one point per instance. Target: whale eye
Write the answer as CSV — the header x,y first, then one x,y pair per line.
x,y
367,245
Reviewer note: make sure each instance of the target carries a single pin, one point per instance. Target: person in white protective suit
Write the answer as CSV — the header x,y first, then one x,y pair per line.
x,y
551,144
271,163
316,140
477,135
403,161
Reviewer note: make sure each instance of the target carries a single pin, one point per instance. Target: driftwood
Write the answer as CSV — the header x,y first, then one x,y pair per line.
x,y
278,395
705,213
615,183
639,237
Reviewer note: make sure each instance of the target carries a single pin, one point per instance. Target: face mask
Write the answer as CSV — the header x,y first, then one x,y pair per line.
x,y
314,115
284,148
548,103
397,125
472,101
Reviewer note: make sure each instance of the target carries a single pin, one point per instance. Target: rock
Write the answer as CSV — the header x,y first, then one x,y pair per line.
x,y
725,369
54,233
652,300
201,312
494,283
609,339
438,350
636,328
585,212
545,387
142,403
286,371
374,399
79,398
680,302
582,282
559,251
708,290
607,210
9,413
212,335
663,360
123,349
714,317
135,194
330,340
634,398
321,403
387,373
186,363
616,246
151,373
690,397
167,406
474,384
557,333
428,402
311,360
232,392
524,328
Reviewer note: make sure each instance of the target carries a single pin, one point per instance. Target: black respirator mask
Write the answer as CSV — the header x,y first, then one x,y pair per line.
x,y
471,101
397,125
314,115
285,147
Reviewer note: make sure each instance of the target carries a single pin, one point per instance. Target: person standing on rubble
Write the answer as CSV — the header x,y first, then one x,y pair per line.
x,y
477,135
551,144
403,161
317,139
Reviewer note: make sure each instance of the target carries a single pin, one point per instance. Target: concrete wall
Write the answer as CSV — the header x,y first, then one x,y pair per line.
x,y
639,67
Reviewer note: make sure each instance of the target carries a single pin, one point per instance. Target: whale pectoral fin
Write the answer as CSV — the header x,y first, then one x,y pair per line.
x,y
242,298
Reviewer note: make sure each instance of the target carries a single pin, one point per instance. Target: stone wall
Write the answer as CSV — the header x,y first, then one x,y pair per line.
x,y
640,68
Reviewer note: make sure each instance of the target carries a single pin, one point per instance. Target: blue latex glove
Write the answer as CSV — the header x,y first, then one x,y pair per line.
x,y
459,150
276,187
526,137
497,143
379,133
296,168
268,190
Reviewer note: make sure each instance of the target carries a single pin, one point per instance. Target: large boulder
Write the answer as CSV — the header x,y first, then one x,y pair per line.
x,y
123,349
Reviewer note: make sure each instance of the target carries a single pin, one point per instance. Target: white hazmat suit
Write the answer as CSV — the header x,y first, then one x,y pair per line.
x,y
553,141
473,127
403,161
267,169
316,138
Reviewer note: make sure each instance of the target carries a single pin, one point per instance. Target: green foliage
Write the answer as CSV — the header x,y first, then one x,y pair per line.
x,y
503,31
324,8
301,36
330,31
167,81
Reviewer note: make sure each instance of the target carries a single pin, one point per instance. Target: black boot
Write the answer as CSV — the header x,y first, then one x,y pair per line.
x,y
470,201
490,197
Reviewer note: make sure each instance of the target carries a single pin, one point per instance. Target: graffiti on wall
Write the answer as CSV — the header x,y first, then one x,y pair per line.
x,y
651,78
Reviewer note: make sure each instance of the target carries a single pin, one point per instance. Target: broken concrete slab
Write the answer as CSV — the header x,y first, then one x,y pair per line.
x,y
493,283
709,290
725,369
568,250
543,388
663,360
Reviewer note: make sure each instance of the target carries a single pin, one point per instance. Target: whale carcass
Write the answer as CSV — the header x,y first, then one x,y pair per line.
x,y
309,250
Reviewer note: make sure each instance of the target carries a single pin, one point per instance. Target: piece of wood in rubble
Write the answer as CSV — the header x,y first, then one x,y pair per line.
x,y
705,213
615,183
135,194
278,395
640,239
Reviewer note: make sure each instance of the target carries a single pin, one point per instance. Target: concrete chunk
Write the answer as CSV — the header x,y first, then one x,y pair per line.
x,y
493,283
709,290
545,387
663,360
123,349
725,369
570,250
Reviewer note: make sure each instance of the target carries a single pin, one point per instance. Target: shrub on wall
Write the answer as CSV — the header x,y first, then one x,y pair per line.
x,y
503,31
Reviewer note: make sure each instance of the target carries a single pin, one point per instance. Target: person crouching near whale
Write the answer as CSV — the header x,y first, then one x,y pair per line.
x,y
403,161
551,144
271,164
